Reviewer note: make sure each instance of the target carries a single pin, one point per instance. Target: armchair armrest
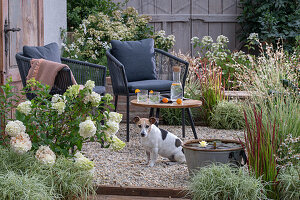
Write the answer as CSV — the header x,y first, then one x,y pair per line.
x,y
84,71
164,66
117,74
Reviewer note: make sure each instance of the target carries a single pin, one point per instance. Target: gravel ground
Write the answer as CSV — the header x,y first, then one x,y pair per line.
x,y
127,167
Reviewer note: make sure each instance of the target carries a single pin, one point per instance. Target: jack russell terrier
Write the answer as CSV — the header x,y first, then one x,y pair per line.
x,y
158,141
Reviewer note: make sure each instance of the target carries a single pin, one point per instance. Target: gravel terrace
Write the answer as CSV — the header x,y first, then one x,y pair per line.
x,y
127,167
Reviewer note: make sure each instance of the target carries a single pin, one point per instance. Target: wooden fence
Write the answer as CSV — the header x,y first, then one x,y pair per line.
x,y
188,18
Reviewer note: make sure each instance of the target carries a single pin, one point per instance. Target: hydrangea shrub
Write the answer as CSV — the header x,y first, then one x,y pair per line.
x,y
61,124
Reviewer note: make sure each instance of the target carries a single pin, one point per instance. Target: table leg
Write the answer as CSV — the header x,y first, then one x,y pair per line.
x,y
183,123
157,117
151,112
192,123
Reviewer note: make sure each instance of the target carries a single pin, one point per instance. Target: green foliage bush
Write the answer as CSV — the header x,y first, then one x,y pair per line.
x,y
289,183
23,177
228,115
271,20
77,10
223,182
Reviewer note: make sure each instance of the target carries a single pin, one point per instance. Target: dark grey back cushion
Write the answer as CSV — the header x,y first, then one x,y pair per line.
x,y
48,52
137,57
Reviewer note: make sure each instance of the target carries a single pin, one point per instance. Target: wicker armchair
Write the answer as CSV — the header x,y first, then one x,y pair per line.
x,y
164,71
82,72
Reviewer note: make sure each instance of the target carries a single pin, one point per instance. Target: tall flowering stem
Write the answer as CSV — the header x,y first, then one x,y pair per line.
x,y
209,79
261,146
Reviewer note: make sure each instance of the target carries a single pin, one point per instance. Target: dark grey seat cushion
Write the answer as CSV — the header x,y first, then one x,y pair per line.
x,y
137,57
48,52
99,89
155,85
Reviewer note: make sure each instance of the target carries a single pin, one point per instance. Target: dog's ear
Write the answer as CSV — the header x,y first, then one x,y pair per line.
x,y
136,119
152,120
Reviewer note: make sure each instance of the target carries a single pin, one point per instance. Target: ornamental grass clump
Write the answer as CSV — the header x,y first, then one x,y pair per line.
x,y
208,81
24,177
289,183
224,182
228,115
261,147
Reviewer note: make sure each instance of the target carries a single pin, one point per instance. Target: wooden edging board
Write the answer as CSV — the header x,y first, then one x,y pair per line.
x,y
143,191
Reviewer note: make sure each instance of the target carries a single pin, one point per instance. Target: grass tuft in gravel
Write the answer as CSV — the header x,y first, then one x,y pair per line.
x,y
223,182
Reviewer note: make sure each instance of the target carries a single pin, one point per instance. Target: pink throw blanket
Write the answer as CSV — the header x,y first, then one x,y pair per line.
x,y
45,71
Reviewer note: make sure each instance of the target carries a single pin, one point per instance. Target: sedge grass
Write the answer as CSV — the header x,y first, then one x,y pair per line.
x,y
221,182
228,115
63,180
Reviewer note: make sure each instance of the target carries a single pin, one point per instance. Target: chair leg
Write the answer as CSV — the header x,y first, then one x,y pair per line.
x,y
116,102
127,112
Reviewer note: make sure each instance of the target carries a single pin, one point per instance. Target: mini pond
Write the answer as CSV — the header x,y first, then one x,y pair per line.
x,y
216,151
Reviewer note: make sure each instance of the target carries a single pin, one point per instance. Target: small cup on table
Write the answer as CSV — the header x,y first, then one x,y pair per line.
x,y
142,96
154,97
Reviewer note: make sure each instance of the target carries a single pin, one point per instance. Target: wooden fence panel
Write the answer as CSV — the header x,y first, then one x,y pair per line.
x,y
188,18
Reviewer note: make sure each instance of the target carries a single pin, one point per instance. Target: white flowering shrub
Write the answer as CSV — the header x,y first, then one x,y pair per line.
x,y
217,53
60,124
92,38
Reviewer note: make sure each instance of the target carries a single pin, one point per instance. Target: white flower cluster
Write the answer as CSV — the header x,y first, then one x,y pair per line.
x,y
45,155
58,103
117,144
73,91
253,37
207,40
195,40
90,85
112,124
20,141
14,128
92,97
162,41
84,162
24,107
87,128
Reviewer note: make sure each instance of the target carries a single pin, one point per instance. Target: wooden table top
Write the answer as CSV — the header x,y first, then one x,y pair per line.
x,y
189,103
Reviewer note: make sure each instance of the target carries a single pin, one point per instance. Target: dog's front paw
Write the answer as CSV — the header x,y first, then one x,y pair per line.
x,y
151,164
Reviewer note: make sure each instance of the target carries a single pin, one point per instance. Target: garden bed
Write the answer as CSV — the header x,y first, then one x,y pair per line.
x,y
127,167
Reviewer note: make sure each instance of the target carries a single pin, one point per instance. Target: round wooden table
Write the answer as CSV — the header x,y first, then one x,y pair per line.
x,y
186,105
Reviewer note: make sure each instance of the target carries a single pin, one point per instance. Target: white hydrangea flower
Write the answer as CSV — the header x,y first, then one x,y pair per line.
x,y
45,155
24,107
207,40
59,107
112,128
87,128
117,144
14,128
89,85
21,143
58,98
84,162
72,91
94,98
108,97
115,117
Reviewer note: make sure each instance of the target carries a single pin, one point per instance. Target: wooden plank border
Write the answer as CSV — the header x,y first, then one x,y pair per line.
x,y
143,191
